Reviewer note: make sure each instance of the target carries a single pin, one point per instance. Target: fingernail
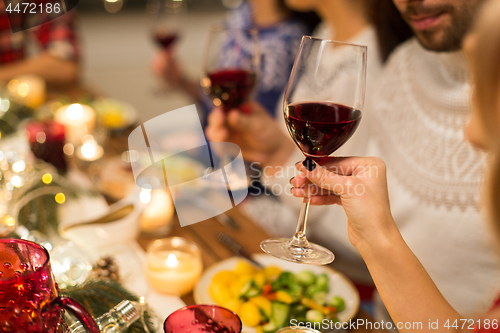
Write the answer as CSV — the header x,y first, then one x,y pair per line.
x,y
309,164
298,162
290,181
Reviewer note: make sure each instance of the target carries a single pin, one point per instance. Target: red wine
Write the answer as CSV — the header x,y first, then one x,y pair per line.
x,y
232,87
166,39
319,129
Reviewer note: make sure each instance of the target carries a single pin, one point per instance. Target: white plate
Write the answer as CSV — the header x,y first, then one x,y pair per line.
x,y
339,284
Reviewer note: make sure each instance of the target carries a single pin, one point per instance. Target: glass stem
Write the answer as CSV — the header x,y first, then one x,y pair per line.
x,y
299,239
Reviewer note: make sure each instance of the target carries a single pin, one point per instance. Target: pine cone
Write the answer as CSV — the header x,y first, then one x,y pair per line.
x,y
106,269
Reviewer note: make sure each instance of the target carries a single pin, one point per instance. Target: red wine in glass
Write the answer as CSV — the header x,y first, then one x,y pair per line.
x,y
320,128
232,87
166,39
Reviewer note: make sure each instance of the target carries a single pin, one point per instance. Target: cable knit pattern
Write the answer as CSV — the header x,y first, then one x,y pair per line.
x,y
419,127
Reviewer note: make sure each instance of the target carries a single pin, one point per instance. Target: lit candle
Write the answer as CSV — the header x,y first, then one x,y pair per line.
x,y
28,90
90,150
78,119
157,217
173,265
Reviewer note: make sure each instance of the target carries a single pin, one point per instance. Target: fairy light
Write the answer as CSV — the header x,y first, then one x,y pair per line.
x,y
47,178
19,166
16,181
60,198
9,221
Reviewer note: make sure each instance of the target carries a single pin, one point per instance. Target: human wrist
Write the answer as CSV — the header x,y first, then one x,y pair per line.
x,y
386,240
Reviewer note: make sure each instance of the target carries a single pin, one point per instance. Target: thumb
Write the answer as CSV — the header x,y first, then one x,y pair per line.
x,y
323,178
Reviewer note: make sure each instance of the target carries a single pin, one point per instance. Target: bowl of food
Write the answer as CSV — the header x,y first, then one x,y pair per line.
x,y
280,295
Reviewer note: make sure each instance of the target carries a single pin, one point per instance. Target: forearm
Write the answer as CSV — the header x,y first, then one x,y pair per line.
x,y
50,68
406,288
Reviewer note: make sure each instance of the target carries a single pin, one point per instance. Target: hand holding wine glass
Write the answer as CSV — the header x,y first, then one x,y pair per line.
x,y
359,185
322,109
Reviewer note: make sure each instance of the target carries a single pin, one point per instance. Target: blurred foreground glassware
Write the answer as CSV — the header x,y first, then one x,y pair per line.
x,y
203,318
117,320
322,108
298,329
30,299
173,265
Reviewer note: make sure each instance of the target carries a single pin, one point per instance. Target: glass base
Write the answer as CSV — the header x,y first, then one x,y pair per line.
x,y
313,255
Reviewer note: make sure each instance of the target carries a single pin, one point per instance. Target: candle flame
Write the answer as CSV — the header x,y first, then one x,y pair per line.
x,y
88,150
74,111
172,260
145,196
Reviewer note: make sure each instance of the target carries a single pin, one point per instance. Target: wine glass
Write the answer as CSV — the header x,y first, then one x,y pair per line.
x,y
167,19
203,318
322,108
229,77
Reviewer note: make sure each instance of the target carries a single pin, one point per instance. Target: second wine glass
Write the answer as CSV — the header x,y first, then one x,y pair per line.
x,y
322,109
229,77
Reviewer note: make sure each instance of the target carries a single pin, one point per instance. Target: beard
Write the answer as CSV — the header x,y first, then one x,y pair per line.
x,y
449,37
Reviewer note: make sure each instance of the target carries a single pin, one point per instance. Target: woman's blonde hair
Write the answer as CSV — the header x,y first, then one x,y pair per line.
x,y
486,74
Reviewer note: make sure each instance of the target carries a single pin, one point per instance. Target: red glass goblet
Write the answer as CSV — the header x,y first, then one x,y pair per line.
x,y
29,297
203,318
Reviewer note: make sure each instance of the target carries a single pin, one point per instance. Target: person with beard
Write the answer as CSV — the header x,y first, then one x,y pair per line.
x,y
408,291
414,118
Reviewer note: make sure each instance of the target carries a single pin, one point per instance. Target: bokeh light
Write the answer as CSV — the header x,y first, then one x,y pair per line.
x,y
47,178
60,198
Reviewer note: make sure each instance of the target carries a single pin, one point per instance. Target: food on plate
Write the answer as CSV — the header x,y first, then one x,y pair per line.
x,y
111,113
268,299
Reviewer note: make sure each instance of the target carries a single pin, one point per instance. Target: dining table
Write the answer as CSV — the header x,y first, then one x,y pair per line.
x,y
248,235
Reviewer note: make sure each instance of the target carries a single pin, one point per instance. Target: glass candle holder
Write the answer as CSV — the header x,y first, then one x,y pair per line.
x,y
203,318
47,141
173,265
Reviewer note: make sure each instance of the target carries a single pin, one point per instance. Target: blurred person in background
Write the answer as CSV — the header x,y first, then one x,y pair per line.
x,y
414,120
280,31
374,23
57,54
405,286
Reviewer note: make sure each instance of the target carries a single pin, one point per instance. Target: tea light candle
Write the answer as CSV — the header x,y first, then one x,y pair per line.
x,y
90,151
28,90
173,265
78,119
157,216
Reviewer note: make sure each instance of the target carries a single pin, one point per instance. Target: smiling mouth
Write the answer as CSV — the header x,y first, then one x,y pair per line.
x,y
422,22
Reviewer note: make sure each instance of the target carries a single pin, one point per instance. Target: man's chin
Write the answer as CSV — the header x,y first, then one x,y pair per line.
x,y
437,41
